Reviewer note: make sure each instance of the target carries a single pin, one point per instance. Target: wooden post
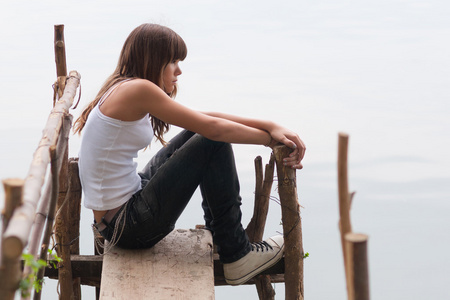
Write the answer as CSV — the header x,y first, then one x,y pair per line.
x,y
62,222
60,51
74,209
10,270
292,226
62,235
358,266
98,251
255,229
60,59
13,198
344,199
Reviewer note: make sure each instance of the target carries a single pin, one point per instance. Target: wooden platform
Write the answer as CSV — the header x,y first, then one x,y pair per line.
x,y
178,267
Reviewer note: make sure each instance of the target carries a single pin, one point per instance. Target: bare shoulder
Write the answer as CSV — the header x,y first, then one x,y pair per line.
x,y
127,102
140,87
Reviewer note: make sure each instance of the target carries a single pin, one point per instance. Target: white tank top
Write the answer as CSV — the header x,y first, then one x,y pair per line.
x,y
108,172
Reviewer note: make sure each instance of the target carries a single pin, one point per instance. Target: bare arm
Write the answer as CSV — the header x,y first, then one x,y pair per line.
x,y
151,99
255,123
278,134
138,97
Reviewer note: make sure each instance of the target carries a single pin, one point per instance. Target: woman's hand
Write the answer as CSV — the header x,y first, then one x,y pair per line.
x,y
292,140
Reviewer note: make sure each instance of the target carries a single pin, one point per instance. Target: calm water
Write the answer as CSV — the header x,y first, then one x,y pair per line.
x,y
379,71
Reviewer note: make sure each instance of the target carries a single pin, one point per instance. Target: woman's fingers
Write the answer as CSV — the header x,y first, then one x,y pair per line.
x,y
295,157
299,150
293,141
293,160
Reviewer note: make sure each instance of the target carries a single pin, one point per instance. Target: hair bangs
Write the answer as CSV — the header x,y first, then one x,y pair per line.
x,y
178,48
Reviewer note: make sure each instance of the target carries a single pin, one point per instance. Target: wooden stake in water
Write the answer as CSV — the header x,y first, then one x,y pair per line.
x,y
358,266
344,198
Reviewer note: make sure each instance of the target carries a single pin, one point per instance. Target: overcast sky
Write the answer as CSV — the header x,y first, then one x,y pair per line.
x,y
378,70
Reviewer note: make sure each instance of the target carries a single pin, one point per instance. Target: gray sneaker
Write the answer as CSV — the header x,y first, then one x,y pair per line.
x,y
263,255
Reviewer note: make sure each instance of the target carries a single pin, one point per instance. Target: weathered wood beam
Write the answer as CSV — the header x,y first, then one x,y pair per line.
x,y
263,186
292,226
89,269
180,264
255,229
74,209
61,232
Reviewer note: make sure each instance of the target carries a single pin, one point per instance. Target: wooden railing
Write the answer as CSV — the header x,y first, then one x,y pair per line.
x,y
26,208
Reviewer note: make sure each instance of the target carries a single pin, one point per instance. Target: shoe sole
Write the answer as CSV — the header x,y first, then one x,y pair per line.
x,y
258,270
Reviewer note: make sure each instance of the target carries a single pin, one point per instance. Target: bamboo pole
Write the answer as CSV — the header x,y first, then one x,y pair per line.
x,y
358,266
255,229
10,271
51,213
16,235
344,199
292,226
45,205
56,155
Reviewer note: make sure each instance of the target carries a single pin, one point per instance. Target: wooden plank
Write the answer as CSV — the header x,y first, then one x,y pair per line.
x,y
89,268
178,267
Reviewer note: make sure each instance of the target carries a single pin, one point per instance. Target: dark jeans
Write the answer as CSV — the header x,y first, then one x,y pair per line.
x,y
169,181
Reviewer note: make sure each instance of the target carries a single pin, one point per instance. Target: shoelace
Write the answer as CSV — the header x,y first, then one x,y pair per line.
x,y
261,246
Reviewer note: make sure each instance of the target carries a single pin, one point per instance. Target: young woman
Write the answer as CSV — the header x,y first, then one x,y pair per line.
x,y
136,210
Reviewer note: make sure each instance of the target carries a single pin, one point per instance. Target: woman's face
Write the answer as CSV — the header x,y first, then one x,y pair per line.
x,y
170,74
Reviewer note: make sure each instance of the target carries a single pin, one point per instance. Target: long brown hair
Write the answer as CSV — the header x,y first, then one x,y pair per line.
x,y
146,52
